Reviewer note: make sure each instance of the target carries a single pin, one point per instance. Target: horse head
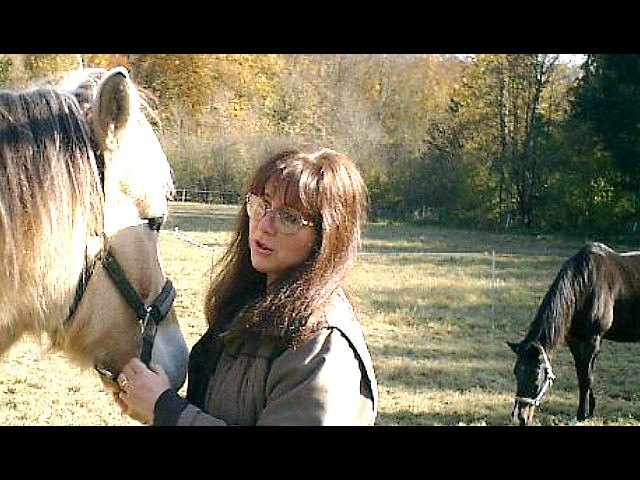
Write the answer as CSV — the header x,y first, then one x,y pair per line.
x,y
137,177
533,377
110,344
137,184
84,186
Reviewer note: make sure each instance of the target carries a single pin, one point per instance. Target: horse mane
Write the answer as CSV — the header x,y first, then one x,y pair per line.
x,y
575,281
51,200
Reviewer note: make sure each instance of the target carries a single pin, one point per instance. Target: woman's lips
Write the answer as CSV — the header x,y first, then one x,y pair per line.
x,y
262,247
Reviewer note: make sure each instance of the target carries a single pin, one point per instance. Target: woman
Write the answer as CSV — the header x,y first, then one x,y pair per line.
x,y
284,346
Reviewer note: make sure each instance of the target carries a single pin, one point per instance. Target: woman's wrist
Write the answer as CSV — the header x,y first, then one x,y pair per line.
x,y
168,408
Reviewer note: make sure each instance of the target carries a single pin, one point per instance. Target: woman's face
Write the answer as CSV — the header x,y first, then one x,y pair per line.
x,y
273,251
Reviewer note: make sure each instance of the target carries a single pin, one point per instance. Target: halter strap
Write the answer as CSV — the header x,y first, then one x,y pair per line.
x,y
549,378
156,312
83,281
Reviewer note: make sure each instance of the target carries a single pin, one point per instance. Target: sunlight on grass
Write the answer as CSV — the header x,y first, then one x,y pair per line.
x,y
436,305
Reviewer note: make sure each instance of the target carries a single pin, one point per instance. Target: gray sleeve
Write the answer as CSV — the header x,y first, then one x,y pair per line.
x,y
173,410
193,416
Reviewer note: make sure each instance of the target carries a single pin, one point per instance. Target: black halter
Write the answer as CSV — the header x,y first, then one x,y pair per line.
x,y
156,312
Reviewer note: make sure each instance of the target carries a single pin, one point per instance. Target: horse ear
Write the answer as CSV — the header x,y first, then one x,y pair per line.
x,y
112,105
515,346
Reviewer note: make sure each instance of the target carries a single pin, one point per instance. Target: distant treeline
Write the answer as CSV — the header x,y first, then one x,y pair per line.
x,y
504,141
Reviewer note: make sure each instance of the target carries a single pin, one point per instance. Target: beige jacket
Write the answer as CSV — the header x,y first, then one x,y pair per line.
x,y
328,380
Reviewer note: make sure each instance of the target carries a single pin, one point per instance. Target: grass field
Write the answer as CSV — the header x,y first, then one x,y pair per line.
x,y
437,307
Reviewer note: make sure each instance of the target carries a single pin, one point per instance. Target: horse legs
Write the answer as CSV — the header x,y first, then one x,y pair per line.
x,y
585,354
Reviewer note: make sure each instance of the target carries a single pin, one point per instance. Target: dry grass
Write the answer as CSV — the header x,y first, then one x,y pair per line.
x,y
437,306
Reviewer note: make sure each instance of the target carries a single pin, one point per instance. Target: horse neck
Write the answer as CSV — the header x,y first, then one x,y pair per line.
x,y
545,331
557,309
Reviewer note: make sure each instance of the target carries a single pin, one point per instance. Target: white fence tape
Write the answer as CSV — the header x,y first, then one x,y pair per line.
x,y
190,240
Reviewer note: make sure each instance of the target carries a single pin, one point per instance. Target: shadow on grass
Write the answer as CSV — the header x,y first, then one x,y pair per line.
x,y
439,307
407,418
401,237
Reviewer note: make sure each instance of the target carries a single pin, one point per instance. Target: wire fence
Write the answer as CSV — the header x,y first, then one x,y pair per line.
x,y
224,197
452,255
188,239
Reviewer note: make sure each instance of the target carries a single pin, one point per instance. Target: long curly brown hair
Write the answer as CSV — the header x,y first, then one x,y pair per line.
x,y
326,186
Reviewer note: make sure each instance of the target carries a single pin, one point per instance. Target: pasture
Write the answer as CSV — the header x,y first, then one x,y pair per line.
x,y
437,307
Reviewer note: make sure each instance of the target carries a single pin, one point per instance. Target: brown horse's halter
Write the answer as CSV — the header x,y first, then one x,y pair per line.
x,y
148,316
548,381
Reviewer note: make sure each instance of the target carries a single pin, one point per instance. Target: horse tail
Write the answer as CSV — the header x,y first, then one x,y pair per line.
x,y
573,287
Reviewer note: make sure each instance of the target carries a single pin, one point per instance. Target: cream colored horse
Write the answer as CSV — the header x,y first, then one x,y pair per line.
x,y
82,173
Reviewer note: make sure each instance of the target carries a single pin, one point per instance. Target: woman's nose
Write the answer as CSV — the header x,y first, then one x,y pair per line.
x,y
267,222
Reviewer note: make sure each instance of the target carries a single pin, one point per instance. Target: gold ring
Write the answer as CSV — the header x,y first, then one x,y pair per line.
x,y
123,381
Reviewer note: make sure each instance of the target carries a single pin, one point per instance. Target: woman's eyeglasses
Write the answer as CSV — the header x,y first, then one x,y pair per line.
x,y
287,220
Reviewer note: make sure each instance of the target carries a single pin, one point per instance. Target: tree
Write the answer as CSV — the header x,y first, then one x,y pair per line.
x,y
608,98
42,65
508,112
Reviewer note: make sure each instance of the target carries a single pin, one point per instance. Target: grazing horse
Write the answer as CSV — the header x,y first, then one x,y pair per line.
x,y
84,189
595,296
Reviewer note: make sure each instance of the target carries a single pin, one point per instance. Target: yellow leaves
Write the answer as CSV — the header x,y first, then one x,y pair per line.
x,y
40,65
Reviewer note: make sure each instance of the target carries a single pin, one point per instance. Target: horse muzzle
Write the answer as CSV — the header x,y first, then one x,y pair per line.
x,y
522,414
108,378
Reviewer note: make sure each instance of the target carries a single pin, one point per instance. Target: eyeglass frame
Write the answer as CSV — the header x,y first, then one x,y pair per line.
x,y
279,221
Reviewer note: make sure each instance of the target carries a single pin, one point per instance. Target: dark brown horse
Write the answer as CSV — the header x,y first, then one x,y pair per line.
x,y
84,185
595,296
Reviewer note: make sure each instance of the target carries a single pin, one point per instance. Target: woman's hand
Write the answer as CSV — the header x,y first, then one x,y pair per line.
x,y
140,389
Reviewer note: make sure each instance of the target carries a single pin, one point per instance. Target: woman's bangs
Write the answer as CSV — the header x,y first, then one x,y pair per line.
x,y
290,181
